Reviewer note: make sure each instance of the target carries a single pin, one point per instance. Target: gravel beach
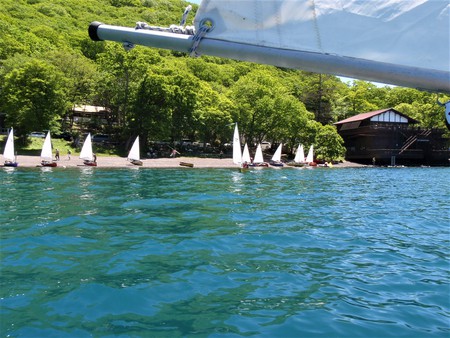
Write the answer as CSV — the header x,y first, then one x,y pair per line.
x,y
121,162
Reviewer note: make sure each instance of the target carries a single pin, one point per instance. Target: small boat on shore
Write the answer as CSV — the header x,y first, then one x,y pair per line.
x,y
246,155
310,157
299,159
46,153
134,155
276,158
8,153
258,161
86,154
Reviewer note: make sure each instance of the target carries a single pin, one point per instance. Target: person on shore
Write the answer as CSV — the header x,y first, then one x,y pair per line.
x,y
68,154
95,158
57,155
174,153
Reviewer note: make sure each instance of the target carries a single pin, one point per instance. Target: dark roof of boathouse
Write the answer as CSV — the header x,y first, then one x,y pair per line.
x,y
369,115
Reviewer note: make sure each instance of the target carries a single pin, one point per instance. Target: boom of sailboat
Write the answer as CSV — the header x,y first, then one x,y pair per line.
x,y
397,42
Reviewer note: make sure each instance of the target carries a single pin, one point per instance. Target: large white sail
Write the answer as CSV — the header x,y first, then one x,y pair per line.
x,y
400,42
299,155
237,157
8,152
86,151
134,153
46,153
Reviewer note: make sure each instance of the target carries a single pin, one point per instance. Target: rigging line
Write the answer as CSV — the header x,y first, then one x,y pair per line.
x,y
204,28
185,14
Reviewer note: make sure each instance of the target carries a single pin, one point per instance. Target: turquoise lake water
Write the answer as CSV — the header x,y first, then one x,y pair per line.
x,y
347,252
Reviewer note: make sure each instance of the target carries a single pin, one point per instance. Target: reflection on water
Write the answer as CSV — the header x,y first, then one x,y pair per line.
x,y
176,253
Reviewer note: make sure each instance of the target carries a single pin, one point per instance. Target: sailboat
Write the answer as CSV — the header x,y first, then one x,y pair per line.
x,y
46,153
398,42
8,153
86,153
258,161
276,158
237,156
246,155
300,154
299,159
310,157
134,154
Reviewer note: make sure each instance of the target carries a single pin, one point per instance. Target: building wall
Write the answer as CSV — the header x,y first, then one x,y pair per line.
x,y
382,141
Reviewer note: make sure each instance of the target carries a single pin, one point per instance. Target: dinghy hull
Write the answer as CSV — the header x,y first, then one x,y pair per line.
x,y
11,164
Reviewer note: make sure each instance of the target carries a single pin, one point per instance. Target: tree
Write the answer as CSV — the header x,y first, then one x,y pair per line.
x,y
318,92
358,99
150,116
330,145
33,98
121,72
79,77
267,110
212,115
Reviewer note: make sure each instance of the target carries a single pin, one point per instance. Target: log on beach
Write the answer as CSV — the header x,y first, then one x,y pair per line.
x,y
186,164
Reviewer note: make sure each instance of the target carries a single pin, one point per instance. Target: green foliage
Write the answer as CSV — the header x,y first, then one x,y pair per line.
x,y
330,145
33,98
48,64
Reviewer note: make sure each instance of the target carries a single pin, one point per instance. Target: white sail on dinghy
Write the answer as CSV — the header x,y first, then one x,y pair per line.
x,y
276,158
134,154
46,153
237,156
8,153
299,159
300,154
86,154
258,161
310,157
246,155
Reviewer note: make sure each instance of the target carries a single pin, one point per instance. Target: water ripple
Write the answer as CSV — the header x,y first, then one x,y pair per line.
x,y
219,253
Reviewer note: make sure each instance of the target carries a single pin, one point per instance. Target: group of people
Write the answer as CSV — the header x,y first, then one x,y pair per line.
x,y
57,157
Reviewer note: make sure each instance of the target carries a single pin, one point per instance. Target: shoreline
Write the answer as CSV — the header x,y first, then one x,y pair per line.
x,y
27,161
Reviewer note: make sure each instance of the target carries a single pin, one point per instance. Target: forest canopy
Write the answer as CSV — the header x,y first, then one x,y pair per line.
x,y
48,64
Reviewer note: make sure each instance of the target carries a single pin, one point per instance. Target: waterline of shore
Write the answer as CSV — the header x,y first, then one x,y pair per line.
x,y
121,162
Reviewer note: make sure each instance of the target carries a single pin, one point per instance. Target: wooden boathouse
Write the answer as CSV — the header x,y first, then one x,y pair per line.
x,y
388,137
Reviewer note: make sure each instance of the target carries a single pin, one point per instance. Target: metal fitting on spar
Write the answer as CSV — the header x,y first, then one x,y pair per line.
x,y
93,30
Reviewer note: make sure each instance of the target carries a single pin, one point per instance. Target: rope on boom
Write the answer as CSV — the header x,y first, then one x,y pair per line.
x,y
205,27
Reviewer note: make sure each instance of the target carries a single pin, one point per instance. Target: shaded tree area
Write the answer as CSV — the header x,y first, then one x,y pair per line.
x,y
49,64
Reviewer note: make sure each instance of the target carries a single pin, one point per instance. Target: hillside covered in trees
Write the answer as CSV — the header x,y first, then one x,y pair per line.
x,y
49,65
